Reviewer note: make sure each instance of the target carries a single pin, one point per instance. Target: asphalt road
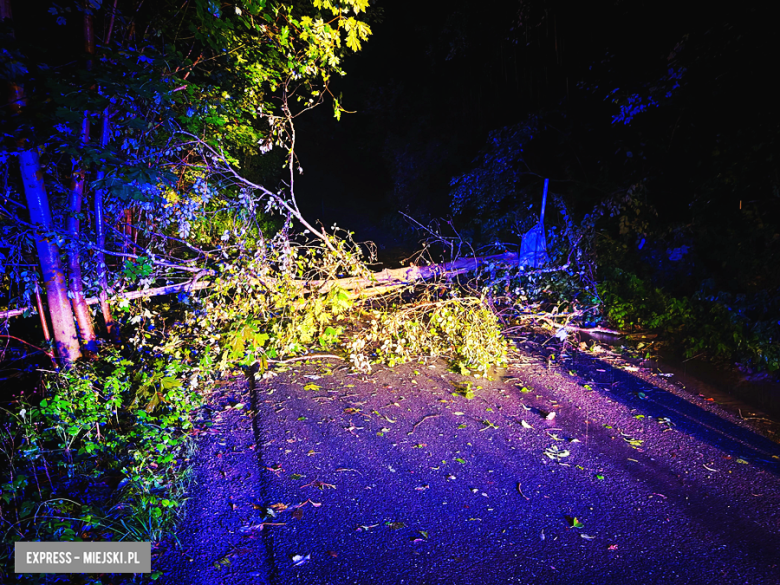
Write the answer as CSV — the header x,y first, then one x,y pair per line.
x,y
590,471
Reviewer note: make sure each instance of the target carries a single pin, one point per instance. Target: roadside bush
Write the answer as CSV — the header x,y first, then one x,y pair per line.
x,y
99,456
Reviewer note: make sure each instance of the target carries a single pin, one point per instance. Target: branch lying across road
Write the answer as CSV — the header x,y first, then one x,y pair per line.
x,y
377,283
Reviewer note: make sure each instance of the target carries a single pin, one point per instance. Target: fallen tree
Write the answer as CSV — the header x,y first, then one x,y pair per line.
x,y
378,282
359,287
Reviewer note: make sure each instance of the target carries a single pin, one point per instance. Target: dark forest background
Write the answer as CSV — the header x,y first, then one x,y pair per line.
x,y
657,116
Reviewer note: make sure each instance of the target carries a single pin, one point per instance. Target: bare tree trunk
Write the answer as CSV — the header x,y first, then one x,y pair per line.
x,y
127,229
42,314
80,308
100,230
63,327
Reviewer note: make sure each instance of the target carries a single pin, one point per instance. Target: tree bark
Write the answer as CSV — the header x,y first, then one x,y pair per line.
x,y
64,329
127,229
112,327
42,314
75,198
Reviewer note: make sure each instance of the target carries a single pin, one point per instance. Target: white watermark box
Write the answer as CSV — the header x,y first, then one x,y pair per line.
x,y
83,557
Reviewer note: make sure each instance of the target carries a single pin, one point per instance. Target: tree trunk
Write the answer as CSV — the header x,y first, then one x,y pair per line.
x,y
127,229
64,329
80,308
75,199
112,326
42,314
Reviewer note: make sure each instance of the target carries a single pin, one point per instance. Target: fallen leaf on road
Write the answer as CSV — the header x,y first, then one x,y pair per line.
x,y
298,560
631,441
259,527
556,454
488,425
525,425
320,485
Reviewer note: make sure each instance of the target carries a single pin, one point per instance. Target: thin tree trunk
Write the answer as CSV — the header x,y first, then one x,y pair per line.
x,y
75,199
112,326
128,230
80,308
42,314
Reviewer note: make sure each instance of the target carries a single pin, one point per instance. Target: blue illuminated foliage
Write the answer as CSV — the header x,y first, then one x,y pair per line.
x,y
493,189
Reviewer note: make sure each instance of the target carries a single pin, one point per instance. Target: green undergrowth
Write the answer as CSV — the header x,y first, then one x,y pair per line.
x,y
734,328
99,454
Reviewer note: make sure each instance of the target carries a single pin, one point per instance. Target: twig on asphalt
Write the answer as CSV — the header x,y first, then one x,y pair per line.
x,y
519,491
422,420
